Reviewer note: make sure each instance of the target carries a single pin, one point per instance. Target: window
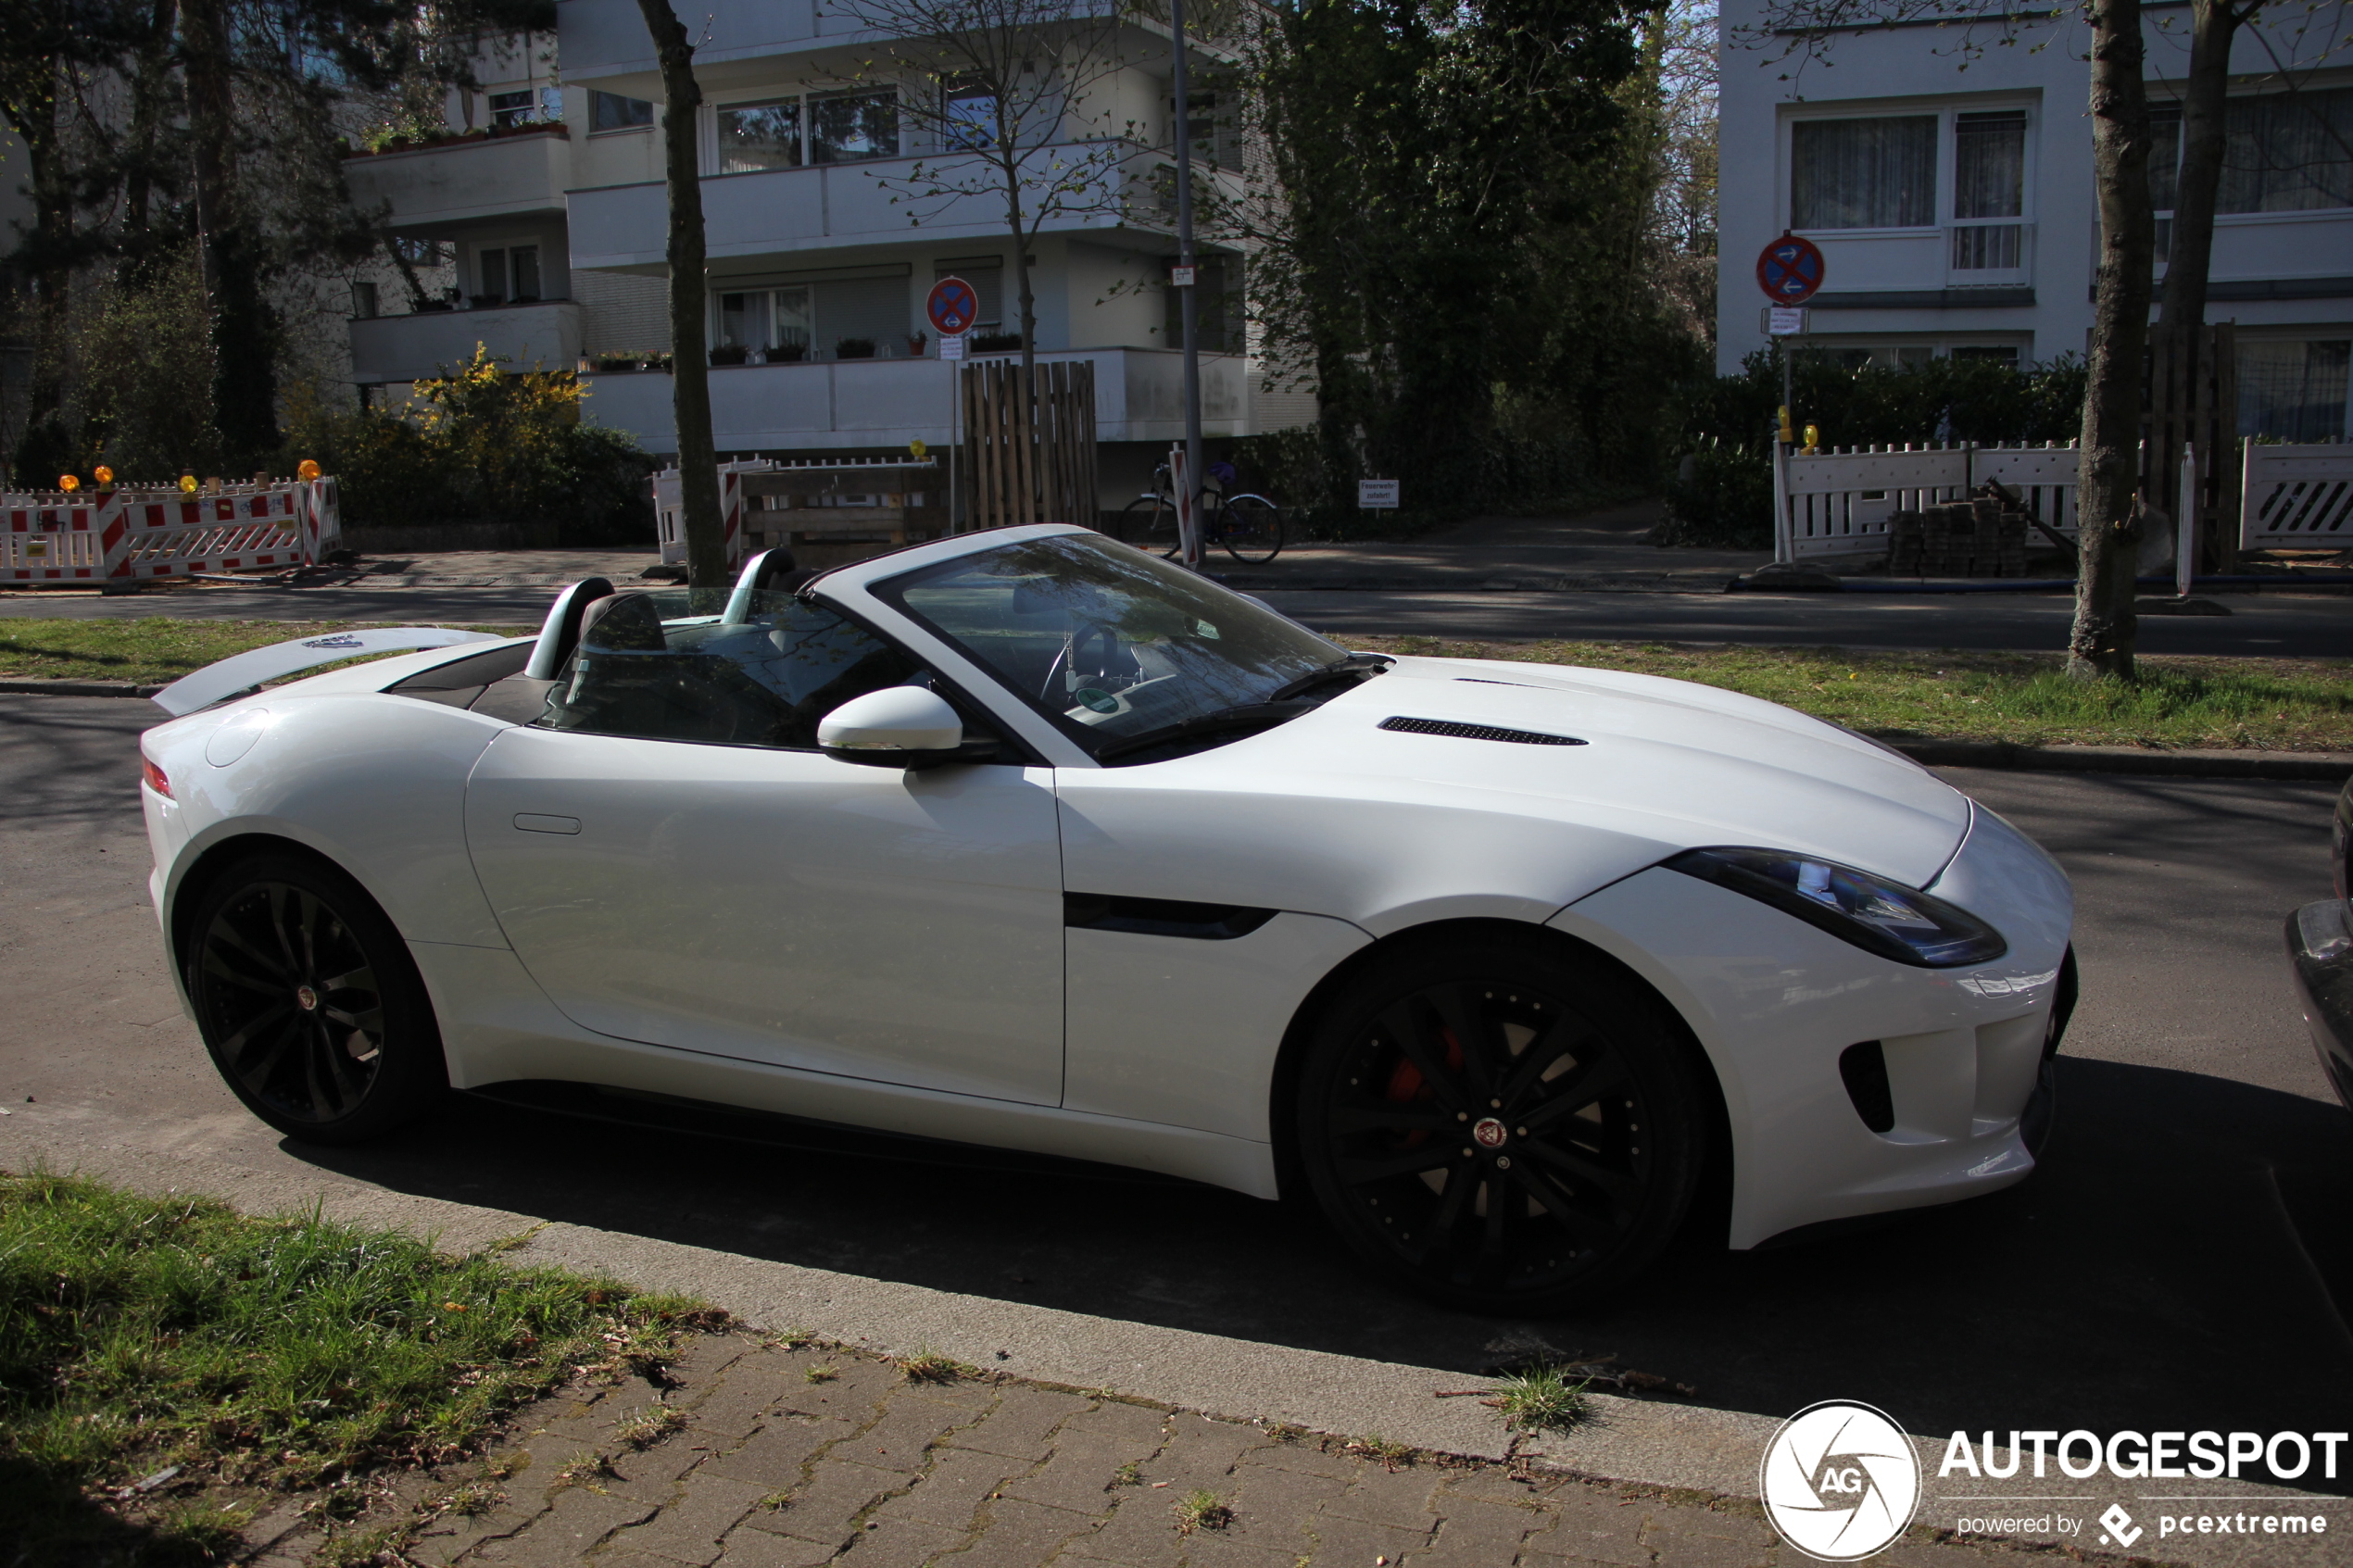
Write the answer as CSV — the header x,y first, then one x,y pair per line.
x,y
525,106
849,127
2165,172
2288,151
610,111
649,668
1217,289
1863,173
972,121
765,319
2293,392
760,136
363,300
507,273
1989,181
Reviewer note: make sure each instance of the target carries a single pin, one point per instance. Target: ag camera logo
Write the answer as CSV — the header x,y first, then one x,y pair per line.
x,y
1840,1481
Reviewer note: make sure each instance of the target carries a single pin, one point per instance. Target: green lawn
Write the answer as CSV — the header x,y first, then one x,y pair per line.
x,y
2294,705
153,650
258,1356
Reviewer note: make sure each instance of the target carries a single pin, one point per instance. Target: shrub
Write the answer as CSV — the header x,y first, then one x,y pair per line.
x,y
1721,495
482,446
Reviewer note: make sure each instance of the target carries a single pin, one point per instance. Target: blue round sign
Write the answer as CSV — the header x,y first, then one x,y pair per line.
x,y
1790,269
953,307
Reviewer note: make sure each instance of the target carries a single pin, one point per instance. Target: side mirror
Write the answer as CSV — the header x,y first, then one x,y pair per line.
x,y
897,727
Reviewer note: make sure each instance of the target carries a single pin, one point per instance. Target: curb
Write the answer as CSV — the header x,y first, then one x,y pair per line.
x,y
2326,767
78,689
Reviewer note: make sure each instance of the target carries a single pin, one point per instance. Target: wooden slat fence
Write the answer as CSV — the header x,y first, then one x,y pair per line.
x,y
1029,460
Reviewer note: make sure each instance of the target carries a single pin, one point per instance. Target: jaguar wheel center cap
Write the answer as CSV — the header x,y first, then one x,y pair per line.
x,y
1490,1132
308,1001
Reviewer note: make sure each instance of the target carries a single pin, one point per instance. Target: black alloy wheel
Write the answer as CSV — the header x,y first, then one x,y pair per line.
x,y
309,1003
1509,1127
1254,531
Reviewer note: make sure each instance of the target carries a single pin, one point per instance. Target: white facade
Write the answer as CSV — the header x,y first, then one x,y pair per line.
x,y
558,230
1946,176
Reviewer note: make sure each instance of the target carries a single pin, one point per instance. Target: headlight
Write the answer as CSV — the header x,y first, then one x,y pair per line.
x,y
1876,915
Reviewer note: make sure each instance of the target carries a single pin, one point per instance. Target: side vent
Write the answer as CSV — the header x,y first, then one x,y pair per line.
x,y
1476,732
1863,1069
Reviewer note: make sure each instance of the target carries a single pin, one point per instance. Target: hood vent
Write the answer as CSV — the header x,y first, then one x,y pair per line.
x,y
1477,731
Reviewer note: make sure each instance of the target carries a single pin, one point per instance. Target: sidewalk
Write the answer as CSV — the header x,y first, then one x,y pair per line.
x,y
778,1458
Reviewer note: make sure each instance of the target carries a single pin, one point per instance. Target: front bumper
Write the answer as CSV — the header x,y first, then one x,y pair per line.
x,y
2320,950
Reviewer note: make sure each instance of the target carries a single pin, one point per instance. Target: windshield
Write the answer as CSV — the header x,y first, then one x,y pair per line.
x,y
1112,644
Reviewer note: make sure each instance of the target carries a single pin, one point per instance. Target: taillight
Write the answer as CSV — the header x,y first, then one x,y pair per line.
x,y
153,778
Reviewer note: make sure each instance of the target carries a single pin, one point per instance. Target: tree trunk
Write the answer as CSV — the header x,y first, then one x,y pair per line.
x,y
150,106
245,379
2180,315
2101,642
690,351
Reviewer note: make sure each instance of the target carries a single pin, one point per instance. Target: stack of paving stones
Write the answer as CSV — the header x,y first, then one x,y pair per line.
x,y
767,1468
1984,537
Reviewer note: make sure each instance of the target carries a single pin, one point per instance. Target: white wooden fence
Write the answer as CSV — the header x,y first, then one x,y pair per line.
x,y
2297,497
1838,502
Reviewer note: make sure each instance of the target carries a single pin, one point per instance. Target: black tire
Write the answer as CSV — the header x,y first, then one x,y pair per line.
x,y
1577,1099
1150,523
308,1002
1254,532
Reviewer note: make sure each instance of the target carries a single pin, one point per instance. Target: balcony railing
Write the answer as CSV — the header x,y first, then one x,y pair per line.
x,y
465,180
544,335
888,403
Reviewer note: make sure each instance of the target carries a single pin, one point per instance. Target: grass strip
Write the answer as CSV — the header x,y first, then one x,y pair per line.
x,y
2178,702
156,649
259,1354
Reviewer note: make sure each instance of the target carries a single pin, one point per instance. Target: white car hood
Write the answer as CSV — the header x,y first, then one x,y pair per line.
x,y
1666,765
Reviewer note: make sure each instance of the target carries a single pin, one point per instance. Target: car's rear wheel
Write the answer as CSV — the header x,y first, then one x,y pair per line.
x,y
1509,1127
309,1003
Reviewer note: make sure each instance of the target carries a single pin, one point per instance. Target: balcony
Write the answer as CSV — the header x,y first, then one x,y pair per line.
x,y
888,403
513,174
811,209
1955,265
603,38
400,348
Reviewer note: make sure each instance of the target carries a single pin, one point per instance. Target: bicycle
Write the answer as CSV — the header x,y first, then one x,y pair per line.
x,y
1250,527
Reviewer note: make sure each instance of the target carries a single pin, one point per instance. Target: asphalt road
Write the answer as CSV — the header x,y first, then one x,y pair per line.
x,y
2310,625
2179,1262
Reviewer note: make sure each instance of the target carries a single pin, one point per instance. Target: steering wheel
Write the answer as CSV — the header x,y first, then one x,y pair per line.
x,y
1066,661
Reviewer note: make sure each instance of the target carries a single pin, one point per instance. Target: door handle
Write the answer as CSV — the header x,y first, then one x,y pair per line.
x,y
532,821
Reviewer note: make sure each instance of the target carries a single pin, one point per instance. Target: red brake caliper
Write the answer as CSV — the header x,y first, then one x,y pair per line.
x,y
1407,1083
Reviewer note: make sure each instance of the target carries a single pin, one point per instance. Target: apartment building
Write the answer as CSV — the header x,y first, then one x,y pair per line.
x,y
1945,168
547,196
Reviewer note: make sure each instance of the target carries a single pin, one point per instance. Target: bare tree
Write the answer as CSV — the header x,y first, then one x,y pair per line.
x,y
689,358
2100,643
1005,93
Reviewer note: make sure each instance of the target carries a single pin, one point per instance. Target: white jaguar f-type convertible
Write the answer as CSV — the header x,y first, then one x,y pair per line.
x,y
1027,839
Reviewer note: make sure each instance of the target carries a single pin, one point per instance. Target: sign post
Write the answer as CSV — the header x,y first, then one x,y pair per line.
x,y
1789,269
953,307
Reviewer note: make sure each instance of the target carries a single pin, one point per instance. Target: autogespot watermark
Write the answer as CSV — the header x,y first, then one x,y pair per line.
x,y
1842,1482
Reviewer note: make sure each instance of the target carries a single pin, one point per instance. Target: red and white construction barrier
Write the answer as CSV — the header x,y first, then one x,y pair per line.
x,y
126,535
670,510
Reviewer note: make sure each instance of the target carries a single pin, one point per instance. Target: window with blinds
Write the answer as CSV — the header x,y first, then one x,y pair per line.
x,y
1874,173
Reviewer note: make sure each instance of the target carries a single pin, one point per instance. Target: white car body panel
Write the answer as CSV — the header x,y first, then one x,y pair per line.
x,y
783,907
787,932
242,672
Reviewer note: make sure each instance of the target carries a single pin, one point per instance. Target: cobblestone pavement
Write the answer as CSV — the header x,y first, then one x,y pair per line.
x,y
755,1456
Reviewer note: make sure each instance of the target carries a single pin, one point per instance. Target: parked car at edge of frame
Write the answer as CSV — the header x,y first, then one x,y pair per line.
x,y
2320,950
1032,840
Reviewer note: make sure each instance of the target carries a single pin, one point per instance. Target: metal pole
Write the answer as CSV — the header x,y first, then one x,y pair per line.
x,y
1189,298
955,368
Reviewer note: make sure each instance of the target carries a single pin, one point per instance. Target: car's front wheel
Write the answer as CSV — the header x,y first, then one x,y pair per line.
x,y
1511,1125
309,1003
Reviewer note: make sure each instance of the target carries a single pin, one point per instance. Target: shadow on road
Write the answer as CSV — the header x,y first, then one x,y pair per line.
x,y
2175,1264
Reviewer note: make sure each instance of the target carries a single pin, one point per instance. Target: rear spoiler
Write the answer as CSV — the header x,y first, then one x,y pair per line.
x,y
244,672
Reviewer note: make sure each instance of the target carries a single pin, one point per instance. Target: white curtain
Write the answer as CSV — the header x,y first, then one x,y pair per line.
x,y
1876,173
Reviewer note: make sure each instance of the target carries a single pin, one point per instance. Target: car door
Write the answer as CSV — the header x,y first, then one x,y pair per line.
x,y
675,863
